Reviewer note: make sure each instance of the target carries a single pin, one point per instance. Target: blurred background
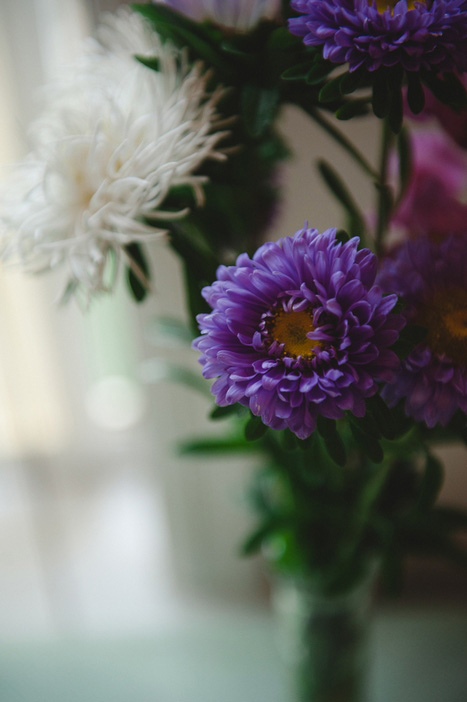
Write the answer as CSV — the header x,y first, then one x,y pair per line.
x,y
107,535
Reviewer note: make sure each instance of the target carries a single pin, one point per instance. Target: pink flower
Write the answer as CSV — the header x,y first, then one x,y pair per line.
x,y
452,122
432,203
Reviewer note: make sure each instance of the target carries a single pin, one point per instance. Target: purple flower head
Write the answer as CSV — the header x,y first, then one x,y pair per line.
x,y
299,330
240,15
414,35
432,279
433,201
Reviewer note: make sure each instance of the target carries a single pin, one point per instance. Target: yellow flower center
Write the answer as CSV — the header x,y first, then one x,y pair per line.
x,y
291,329
383,5
445,317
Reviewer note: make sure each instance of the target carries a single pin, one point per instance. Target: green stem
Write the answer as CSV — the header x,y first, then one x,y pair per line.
x,y
341,139
385,201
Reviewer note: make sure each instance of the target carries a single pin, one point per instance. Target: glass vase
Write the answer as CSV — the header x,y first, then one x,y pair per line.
x,y
324,640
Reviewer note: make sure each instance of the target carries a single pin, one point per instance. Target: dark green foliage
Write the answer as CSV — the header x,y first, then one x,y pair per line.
x,y
405,160
409,337
415,93
254,428
338,188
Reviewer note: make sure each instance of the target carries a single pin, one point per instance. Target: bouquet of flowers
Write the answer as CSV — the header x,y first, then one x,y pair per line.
x,y
340,356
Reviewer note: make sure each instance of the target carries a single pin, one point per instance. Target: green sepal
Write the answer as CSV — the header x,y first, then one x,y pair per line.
x,y
396,114
409,337
332,440
367,443
331,91
319,71
382,416
342,236
254,428
352,81
381,97
298,72
352,108
137,287
223,412
415,93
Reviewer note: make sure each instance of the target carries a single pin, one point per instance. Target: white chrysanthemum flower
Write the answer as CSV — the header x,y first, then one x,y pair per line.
x,y
114,139
240,15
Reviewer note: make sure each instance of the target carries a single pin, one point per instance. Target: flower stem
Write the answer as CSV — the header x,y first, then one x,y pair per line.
x,y
341,139
385,196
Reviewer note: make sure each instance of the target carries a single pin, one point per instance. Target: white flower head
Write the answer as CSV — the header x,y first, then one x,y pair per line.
x,y
240,15
115,137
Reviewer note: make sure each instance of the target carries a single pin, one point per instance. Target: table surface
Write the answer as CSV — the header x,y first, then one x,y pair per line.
x,y
230,656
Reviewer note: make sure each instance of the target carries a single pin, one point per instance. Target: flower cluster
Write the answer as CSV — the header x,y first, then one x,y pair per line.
x,y
115,137
240,15
414,35
432,278
299,330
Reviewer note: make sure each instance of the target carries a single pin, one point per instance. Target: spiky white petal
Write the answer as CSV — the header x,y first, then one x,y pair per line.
x,y
114,138
240,15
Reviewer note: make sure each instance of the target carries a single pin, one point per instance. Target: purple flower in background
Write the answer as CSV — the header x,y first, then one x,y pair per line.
x,y
414,35
299,330
433,201
241,15
432,279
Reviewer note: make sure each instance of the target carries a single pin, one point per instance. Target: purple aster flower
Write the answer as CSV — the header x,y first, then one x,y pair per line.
x,y
432,279
240,15
414,35
299,330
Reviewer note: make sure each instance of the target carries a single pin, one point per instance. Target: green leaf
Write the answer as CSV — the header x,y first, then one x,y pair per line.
x,y
367,443
259,107
282,40
339,190
254,542
432,482
223,412
139,273
382,416
150,62
298,72
332,440
342,236
331,91
352,108
381,96
156,370
206,447
254,428
415,93
395,115
319,71
352,81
